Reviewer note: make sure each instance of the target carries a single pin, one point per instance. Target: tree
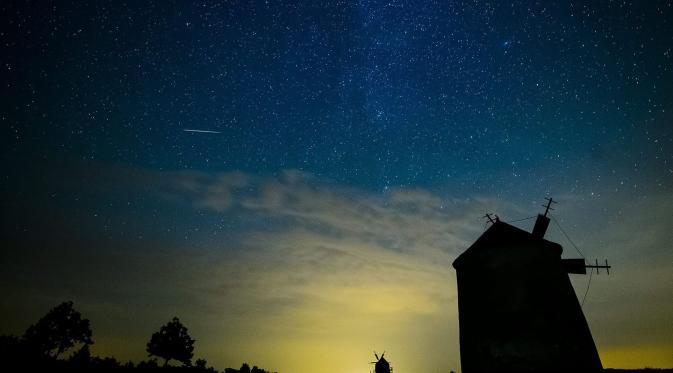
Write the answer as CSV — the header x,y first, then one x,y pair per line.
x,y
58,330
200,363
81,356
172,342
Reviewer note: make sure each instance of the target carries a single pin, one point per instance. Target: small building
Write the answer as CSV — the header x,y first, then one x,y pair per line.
x,y
517,309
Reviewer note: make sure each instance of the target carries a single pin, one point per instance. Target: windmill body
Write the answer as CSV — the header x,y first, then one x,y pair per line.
x,y
517,309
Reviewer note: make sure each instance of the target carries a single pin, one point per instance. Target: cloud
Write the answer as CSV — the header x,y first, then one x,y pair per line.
x,y
299,273
403,219
346,259
335,263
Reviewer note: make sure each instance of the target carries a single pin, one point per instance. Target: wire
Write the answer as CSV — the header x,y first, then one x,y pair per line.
x,y
514,221
566,235
587,291
591,274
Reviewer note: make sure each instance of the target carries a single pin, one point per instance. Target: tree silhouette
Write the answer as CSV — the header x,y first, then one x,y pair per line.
x,y
81,356
200,363
172,342
58,330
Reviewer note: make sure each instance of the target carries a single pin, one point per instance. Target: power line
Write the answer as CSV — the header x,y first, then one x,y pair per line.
x,y
518,220
566,235
591,273
587,290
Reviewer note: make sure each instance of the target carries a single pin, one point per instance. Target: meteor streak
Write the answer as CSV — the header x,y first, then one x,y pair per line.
x,y
200,131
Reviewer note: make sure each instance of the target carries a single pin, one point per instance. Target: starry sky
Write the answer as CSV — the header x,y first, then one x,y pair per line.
x,y
347,152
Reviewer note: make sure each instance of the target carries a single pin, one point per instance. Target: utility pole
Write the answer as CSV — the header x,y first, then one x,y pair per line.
x,y
548,206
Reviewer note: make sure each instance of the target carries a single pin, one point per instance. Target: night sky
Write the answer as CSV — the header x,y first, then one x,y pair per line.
x,y
343,156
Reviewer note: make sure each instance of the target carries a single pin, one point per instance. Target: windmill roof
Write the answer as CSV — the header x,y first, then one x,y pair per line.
x,y
499,235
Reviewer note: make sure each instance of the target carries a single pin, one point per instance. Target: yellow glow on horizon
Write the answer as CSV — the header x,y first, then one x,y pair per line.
x,y
637,357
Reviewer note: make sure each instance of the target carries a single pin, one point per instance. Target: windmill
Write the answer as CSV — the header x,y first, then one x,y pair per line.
x,y
381,365
517,308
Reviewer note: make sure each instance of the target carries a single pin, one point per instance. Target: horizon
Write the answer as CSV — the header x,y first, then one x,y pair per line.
x,y
293,180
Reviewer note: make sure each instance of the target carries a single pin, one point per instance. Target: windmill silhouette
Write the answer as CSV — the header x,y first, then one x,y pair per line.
x,y
381,365
517,309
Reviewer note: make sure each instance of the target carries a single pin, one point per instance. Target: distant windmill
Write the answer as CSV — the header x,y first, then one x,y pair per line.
x,y
381,364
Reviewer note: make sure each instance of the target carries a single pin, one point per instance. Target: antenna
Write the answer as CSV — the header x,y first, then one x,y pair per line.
x,y
606,266
548,206
488,216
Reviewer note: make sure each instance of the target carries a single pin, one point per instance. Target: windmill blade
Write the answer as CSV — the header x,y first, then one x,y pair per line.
x,y
377,356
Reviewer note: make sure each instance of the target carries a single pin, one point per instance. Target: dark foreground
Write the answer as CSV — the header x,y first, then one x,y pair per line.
x,y
651,370
16,357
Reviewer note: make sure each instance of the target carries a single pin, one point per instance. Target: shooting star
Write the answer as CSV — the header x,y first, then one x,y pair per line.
x,y
200,131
